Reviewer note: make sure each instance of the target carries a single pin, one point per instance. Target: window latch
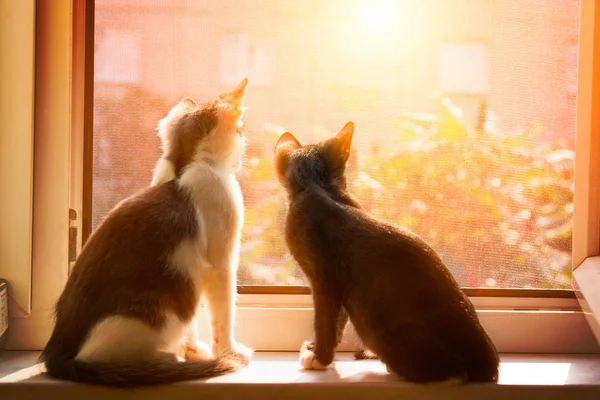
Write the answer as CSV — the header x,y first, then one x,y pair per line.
x,y
73,232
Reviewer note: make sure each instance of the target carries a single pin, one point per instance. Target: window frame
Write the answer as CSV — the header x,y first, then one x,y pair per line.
x,y
17,84
52,166
65,151
586,211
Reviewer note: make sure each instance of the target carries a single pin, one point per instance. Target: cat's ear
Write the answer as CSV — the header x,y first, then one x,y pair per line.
x,y
342,142
188,104
287,141
185,105
285,145
236,96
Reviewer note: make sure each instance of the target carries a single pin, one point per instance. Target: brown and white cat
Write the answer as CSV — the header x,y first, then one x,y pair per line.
x,y
126,316
402,300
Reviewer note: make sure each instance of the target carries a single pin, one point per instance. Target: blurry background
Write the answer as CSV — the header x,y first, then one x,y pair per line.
x,y
464,113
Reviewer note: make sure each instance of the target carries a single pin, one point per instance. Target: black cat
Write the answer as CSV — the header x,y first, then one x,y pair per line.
x,y
402,300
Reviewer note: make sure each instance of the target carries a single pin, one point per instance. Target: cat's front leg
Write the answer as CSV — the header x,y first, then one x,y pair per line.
x,y
219,296
341,327
320,354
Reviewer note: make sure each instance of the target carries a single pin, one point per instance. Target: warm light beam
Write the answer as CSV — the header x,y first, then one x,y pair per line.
x,y
376,17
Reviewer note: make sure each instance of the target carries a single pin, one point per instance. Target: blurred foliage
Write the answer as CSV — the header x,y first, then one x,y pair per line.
x,y
126,146
497,207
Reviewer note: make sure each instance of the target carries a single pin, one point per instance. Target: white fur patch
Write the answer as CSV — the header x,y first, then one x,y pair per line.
x,y
219,202
217,194
204,351
188,260
119,338
163,172
308,360
237,352
165,125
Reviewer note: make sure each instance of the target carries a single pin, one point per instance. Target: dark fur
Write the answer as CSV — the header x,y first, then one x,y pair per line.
x,y
403,302
123,270
192,128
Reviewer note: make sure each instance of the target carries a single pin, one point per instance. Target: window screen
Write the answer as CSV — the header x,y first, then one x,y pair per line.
x,y
464,113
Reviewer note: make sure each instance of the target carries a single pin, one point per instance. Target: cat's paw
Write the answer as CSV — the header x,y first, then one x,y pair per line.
x,y
237,352
198,351
308,360
243,353
308,345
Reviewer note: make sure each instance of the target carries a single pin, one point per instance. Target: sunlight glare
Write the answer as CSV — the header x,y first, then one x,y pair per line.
x,y
377,31
376,17
529,373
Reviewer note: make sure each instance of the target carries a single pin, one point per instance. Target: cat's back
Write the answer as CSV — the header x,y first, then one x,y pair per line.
x,y
345,223
156,218
314,205
124,268
135,241
419,310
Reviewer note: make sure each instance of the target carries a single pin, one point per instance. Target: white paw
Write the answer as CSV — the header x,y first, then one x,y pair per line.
x,y
243,353
237,352
308,360
197,351
203,351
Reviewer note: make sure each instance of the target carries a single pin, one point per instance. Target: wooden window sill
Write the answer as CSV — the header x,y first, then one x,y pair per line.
x,y
277,375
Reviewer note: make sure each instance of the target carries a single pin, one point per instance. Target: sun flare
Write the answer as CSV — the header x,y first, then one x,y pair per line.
x,y
376,17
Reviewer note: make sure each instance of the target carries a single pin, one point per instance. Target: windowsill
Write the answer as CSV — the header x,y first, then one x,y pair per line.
x,y
278,375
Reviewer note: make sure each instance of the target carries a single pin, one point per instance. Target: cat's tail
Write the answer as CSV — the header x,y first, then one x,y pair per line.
x,y
132,374
485,372
484,362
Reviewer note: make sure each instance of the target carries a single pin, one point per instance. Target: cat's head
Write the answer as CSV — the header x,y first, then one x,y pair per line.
x,y
209,132
321,164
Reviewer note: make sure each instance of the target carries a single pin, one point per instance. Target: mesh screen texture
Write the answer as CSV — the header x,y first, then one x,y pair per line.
x,y
464,113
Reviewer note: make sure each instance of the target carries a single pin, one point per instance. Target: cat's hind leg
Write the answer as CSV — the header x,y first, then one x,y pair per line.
x,y
362,353
119,338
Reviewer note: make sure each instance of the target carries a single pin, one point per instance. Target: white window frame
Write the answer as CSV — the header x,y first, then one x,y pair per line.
x,y
52,167
16,151
277,322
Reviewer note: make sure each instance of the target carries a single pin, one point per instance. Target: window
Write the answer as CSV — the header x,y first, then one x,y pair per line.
x,y
251,57
118,57
486,179
464,68
411,121
571,68
16,152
